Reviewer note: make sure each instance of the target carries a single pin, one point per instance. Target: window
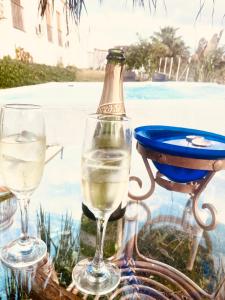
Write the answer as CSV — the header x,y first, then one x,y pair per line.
x,y
49,24
59,30
17,14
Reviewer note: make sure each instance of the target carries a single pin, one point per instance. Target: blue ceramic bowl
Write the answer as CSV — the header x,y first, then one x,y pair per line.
x,y
182,142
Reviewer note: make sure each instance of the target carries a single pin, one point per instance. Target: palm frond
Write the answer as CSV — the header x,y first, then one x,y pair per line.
x,y
76,7
164,4
223,18
213,10
154,2
42,6
143,3
201,6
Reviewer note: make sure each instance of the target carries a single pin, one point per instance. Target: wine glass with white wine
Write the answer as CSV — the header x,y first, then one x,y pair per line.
x,y
22,158
105,175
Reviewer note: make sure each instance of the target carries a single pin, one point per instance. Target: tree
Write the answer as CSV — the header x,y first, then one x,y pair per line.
x,y
208,61
147,53
138,55
211,67
175,45
157,50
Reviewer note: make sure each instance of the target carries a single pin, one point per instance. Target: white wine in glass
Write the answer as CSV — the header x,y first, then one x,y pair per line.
x,y
22,158
105,176
104,179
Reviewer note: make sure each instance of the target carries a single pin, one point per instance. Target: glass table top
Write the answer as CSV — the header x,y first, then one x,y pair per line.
x,y
162,252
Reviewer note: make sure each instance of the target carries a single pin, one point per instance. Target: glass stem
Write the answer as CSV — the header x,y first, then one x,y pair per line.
x,y
24,205
98,258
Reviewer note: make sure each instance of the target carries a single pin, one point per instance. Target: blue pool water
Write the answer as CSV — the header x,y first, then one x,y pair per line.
x,y
74,100
72,93
175,90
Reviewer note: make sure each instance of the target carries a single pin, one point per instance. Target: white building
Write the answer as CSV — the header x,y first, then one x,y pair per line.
x,y
97,59
46,39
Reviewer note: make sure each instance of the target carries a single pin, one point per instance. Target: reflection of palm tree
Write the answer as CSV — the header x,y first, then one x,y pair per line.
x,y
53,273
167,243
164,239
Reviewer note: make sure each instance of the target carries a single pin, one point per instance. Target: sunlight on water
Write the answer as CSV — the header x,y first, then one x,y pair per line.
x,y
174,90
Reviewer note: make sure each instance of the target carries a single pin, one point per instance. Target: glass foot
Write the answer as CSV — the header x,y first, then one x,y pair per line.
x,y
95,284
22,255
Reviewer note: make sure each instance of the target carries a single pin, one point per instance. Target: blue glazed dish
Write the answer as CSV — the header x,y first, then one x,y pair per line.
x,y
183,142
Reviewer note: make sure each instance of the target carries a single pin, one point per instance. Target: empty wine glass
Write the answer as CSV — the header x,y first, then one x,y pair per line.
x,y
105,176
22,158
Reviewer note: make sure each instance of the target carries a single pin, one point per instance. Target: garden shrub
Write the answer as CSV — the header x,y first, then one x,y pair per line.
x,y
17,73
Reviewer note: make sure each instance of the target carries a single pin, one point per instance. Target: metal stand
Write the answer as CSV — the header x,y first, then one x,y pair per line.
x,y
194,189
143,267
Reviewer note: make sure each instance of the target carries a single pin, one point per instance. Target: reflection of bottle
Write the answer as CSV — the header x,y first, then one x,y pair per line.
x,y
111,107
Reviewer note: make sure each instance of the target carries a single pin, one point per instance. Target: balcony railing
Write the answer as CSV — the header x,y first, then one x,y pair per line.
x,y
17,15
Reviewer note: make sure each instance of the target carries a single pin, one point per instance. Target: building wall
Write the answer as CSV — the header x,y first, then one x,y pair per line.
x,y
97,59
34,39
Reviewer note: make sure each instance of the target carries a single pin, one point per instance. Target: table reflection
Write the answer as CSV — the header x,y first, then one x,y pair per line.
x,y
156,236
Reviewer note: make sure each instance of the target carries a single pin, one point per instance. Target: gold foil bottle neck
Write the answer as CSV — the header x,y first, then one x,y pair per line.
x,y
112,101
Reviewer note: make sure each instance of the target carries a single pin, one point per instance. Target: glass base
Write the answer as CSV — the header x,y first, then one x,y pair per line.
x,y
96,284
22,255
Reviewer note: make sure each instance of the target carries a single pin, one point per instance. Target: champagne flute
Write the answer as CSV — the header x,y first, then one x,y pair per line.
x,y
22,158
105,176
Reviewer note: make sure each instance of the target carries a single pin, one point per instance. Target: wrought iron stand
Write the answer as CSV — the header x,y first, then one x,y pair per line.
x,y
194,189
185,285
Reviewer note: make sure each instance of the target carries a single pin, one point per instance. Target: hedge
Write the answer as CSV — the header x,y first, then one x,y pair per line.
x,y
16,73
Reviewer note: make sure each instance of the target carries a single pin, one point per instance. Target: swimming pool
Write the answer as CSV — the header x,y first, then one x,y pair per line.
x,y
183,104
175,90
74,93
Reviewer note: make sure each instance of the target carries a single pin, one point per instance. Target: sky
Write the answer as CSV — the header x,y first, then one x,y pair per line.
x,y
117,22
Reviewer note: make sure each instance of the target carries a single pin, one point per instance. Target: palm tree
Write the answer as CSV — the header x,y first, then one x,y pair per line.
x,y
175,45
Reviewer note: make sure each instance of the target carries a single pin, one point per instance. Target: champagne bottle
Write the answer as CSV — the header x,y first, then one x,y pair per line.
x,y
112,101
111,107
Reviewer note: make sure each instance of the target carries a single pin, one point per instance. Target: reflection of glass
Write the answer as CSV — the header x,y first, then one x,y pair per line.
x,y
8,205
22,152
105,174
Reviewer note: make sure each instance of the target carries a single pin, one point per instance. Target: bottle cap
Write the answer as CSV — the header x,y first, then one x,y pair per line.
x,y
116,54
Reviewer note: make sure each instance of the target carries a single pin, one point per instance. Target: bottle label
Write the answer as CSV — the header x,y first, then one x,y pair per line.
x,y
111,108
